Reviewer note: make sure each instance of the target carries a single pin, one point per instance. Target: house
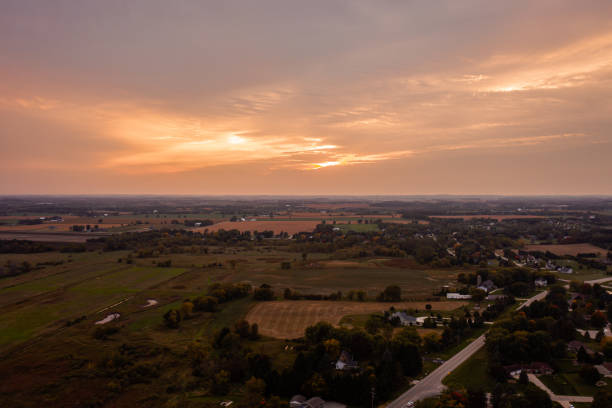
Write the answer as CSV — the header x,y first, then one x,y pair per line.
x,y
574,346
346,362
515,370
565,269
405,319
314,402
541,282
487,286
299,401
458,296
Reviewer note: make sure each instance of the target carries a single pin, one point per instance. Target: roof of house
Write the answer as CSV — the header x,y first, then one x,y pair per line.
x,y
488,284
404,317
315,402
298,398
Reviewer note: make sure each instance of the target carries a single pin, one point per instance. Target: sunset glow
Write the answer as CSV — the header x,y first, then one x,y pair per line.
x,y
378,97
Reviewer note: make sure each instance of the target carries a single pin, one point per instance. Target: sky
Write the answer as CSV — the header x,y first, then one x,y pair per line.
x,y
306,97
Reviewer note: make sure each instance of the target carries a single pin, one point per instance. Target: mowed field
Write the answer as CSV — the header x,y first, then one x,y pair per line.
x,y
288,319
290,227
569,249
35,302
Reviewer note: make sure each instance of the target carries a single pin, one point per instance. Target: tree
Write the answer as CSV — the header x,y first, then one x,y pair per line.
x,y
221,383
242,328
255,388
523,379
602,399
392,293
589,374
478,295
254,335
263,293
172,318
536,397
315,385
598,320
332,348
186,309
476,398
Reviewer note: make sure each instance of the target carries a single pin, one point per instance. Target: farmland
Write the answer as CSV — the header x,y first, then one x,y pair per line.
x,y
174,291
489,216
569,249
290,227
289,319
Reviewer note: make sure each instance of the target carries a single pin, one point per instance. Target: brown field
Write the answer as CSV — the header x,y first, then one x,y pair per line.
x,y
336,206
290,227
288,319
51,237
493,217
569,249
52,227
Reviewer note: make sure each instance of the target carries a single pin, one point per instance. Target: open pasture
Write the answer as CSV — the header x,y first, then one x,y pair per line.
x,y
288,319
324,277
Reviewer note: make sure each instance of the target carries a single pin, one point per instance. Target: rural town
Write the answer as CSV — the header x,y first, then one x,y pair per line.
x,y
305,204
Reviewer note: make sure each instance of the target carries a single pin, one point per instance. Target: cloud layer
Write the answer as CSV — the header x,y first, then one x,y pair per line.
x,y
340,97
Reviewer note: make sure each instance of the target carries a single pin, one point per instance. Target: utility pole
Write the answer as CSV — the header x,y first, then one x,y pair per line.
x,y
373,395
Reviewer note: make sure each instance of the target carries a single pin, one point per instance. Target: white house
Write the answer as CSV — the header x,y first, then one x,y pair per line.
x,y
541,282
458,296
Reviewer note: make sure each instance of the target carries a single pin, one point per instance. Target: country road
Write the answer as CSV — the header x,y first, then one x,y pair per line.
x,y
602,280
432,384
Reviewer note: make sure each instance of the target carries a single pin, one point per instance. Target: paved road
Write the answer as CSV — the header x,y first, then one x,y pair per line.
x,y
432,384
594,281
529,301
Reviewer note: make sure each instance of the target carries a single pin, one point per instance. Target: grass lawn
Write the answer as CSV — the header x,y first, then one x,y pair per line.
x,y
472,374
446,354
357,227
558,384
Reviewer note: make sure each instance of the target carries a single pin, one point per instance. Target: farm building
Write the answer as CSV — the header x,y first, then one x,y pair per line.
x,y
458,296
404,318
346,362
487,286
299,401
533,368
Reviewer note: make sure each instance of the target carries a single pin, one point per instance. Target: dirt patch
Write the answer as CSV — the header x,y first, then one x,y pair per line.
x,y
403,263
151,302
344,264
289,319
109,318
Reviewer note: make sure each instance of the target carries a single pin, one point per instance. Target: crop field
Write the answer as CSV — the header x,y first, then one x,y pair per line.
x,y
569,249
288,319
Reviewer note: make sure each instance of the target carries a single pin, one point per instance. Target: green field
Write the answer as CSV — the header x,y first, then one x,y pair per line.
x,y
472,374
